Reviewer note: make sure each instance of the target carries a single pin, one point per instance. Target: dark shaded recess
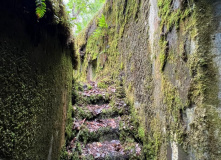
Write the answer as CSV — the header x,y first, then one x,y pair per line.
x,y
125,7
94,66
25,10
136,15
166,55
82,52
74,94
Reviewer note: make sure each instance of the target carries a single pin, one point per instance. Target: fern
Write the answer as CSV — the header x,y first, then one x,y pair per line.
x,y
101,25
102,22
40,8
97,33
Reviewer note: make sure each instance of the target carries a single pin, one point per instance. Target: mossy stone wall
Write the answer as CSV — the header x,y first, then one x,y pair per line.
x,y
35,82
166,53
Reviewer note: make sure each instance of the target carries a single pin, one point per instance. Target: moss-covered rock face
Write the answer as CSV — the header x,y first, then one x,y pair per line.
x,y
35,81
166,54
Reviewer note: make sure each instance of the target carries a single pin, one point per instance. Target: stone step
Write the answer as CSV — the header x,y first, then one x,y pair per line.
x,y
112,150
91,111
95,95
97,130
94,98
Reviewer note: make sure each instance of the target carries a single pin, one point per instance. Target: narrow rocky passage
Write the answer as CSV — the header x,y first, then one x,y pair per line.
x,y
99,125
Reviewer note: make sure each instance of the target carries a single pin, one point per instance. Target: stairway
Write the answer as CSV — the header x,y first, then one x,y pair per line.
x,y
98,116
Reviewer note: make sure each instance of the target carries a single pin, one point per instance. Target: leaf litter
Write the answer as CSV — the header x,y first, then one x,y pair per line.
x,y
95,125
96,91
104,149
101,150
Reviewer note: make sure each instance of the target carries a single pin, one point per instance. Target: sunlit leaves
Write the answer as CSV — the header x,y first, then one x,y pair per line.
x,y
102,22
101,25
40,8
83,11
97,33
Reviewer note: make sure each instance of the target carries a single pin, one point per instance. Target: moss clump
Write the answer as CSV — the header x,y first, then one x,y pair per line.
x,y
94,99
81,113
103,134
163,53
64,154
102,85
89,87
171,17
120,92
204,88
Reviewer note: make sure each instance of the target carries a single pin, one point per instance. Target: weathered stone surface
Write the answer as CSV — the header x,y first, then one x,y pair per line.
x,y
217,41
35,82
168,59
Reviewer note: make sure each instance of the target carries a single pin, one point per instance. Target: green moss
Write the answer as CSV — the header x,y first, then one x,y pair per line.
x,y
122,66
64,154
130,89
120,92
170,17
172,98
124,12
204,89
164,53
202,71
31,96
89,87
163,60
93,99
189,20
141,133
81,113
102,85
103,134
69,123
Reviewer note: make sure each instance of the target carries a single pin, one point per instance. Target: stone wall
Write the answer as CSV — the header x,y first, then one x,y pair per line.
x,y
35,82
167,54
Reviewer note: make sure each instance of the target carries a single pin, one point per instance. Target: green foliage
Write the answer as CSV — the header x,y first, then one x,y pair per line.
x,y
64,154
40,8
89,87
83,11
102,24
170,17
102,85
97,33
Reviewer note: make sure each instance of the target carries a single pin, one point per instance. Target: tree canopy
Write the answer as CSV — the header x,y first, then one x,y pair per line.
x,y
82,11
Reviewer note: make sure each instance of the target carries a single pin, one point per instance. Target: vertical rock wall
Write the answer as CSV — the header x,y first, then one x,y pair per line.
x,y
216,39
167,54
35,81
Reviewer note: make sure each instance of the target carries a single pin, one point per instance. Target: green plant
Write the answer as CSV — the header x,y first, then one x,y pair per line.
x,y
40,8
102,24
102,85
89,87
82,12
64,153
97,33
